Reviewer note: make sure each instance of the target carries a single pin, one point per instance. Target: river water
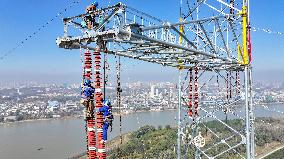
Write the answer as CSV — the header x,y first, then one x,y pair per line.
x,y
63,138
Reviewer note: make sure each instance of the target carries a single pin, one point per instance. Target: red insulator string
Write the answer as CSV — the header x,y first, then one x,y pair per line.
x,y
101,152
196,93
90,122
190,104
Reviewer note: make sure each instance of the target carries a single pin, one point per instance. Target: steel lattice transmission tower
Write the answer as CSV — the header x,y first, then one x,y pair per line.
x,y
211,43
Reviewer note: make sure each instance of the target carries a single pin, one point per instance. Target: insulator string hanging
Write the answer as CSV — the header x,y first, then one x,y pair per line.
x,y
190,104
100,146
196,93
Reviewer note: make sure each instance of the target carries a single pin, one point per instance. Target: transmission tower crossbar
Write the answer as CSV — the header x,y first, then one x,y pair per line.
x,y
210,44
156,42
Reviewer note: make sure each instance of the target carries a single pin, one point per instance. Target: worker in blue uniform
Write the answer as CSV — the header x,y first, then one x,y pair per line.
x,y
108,118
87,96
87,89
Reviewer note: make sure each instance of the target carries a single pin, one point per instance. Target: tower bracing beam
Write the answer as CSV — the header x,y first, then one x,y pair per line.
x,y
157,41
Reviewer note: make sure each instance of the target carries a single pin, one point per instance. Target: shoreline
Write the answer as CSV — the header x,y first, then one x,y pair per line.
x,y
141,111
42,119
115,114
77,116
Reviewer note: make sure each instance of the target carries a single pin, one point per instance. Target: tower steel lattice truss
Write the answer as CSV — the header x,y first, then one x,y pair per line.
x,y
211,43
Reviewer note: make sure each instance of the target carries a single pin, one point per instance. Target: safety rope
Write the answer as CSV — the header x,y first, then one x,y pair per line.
x,y
105,76
217,80
230,91
120,118
232,2
238,86
218,85
118,91
227,86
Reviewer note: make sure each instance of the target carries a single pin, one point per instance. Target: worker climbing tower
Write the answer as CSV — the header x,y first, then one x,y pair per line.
x,y
211,42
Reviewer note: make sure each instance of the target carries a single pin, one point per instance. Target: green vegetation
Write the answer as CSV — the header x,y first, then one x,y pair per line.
x,y
148,142
160,143
270,131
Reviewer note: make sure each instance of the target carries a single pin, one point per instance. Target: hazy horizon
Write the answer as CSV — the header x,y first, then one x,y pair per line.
x,y
39,59
136,73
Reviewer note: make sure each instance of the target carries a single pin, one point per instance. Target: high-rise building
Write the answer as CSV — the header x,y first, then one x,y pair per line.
x,y
152,93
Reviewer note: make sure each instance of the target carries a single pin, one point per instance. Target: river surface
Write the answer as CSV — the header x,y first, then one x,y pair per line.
x,y
63,138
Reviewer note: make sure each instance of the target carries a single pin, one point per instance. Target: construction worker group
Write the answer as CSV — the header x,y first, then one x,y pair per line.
x,y
88,101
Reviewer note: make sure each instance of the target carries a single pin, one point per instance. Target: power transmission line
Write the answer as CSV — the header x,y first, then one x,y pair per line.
x,y
37,31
